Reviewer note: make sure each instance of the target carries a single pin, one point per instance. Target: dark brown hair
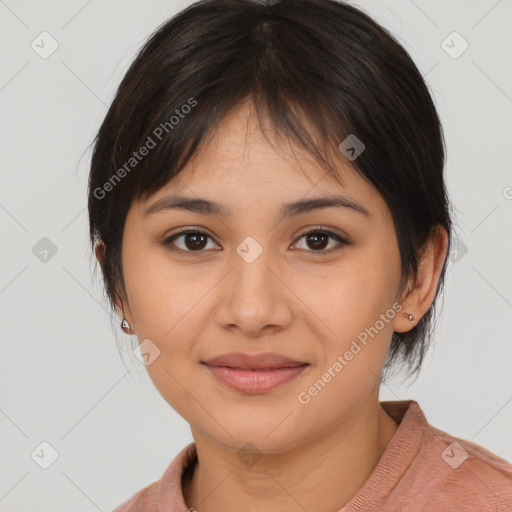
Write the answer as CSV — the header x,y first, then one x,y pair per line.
x,y
303,63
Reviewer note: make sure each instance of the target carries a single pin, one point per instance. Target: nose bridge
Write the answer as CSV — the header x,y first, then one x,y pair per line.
x,y
252,274
253,296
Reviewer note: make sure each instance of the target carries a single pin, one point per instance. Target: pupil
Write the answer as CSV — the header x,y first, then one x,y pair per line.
x,y
314,237
195,237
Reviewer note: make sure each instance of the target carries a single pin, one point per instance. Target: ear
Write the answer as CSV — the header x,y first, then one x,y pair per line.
x,y
123,310
100,252
419,296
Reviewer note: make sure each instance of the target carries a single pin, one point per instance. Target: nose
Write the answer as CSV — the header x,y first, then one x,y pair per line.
x,y
254,297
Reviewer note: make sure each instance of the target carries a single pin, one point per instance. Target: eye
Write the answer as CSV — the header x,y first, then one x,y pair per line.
x,y
318,240
193,240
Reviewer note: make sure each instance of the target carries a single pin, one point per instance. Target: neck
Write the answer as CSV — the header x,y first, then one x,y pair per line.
x,y
322,474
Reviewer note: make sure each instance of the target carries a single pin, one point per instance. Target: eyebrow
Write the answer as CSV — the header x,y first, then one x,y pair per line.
x,y
206,207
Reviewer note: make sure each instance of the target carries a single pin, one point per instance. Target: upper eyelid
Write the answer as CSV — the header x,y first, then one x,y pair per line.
x,y
192,229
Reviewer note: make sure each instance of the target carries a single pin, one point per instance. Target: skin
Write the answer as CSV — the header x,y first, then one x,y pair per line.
x,y
300,302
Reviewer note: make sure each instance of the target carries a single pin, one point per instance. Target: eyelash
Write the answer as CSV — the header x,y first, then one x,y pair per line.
x,y
183,231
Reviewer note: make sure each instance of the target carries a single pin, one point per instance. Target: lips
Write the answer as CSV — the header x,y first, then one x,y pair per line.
x,y
254,374
260,362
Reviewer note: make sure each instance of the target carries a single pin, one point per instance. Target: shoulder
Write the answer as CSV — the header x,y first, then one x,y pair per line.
x,y
458,471
427,469
144,500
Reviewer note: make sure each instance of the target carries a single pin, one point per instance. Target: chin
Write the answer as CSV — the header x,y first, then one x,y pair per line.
x,y
264,436
257,444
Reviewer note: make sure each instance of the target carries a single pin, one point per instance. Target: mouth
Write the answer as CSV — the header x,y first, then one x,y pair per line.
x,y
252,375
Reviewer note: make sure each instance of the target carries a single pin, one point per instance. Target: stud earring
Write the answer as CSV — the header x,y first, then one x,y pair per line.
x,y
409,317
125,325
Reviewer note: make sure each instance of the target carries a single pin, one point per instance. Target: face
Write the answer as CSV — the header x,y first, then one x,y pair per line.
x,y
252,280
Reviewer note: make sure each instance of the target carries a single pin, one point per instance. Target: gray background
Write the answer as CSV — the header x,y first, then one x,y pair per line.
x,y
62,379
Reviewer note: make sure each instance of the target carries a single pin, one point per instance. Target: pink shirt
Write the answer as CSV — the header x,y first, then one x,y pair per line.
x,y
423,469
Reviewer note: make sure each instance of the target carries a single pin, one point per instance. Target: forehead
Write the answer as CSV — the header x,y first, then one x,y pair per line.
x,y
239,144
237,166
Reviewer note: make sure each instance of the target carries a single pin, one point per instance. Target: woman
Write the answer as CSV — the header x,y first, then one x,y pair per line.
x,y
268,206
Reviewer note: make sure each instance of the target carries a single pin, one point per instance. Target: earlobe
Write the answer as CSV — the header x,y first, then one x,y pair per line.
x,y
405,321
125,314
126,322
419,298
100,252
125,325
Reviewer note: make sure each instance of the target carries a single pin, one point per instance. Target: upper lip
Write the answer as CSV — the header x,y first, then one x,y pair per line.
x,y
248,361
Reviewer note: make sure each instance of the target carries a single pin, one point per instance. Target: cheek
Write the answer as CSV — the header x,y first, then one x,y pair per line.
x,y
167,310
355,309
351,295
162,296
360,320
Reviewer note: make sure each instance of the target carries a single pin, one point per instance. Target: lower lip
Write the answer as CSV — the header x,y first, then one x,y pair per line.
x,y
251,381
